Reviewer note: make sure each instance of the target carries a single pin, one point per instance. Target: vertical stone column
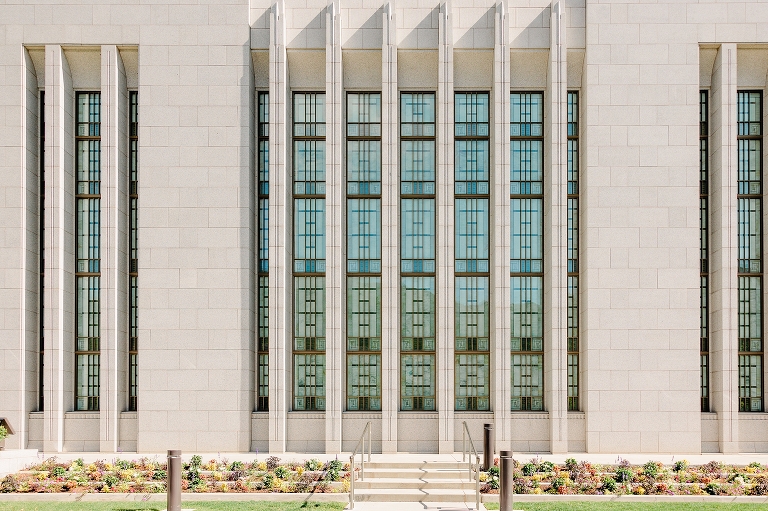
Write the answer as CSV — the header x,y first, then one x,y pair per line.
x,y
60,242
445,237
556,232
724,341
500,205
390,243
334,207
20,396
280,247
114,235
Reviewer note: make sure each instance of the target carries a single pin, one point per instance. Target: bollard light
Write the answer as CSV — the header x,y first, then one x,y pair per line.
x,y
173,502
506,480
489,447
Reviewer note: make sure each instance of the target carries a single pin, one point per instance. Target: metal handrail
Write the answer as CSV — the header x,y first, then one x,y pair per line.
x,y
464,453
362,462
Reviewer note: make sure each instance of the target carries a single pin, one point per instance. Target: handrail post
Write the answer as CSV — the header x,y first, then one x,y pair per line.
x,y
477,484
352,482
370,441
463,444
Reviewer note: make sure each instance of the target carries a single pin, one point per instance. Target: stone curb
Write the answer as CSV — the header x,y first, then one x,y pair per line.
x,y
762,499
344,497
161,497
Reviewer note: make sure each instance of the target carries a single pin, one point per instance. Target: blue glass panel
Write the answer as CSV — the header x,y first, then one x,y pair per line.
x,y
526,225
472,310
472,163
88,219
417,311
417,235
750,230
364,235
527,167
573,235
309,313
526,114
417,169
417,382
264,235
309,235
364,314
471,114
309,167
309,114
363,382
417,114
472,235
364,167
364,114
527,308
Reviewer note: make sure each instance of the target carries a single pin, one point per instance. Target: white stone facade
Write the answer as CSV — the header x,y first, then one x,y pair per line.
x,y
638,67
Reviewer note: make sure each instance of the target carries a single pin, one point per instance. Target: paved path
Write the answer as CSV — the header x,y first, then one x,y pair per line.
x,y
414,506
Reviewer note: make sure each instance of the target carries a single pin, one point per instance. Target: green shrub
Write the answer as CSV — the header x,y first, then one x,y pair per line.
x,y
494,471
160,475
681,466
3,433
651,469
624,474
313,464
494,484
756,465
281,472
58,471
529,469
110,480
236,465
334,465
609,484
546,466
571,463
557,483
272,462
712,489
196,461
332,475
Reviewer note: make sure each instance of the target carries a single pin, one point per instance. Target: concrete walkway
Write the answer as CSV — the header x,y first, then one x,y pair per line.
x,y
414,506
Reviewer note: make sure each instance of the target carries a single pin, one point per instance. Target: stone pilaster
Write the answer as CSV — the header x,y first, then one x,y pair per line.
x,y
280,247
390,243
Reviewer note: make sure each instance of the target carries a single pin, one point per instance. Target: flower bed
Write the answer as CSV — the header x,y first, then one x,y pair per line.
x,y
652,478
149,476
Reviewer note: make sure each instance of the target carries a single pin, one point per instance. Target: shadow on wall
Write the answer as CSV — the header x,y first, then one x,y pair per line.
x,y
368,35
480,34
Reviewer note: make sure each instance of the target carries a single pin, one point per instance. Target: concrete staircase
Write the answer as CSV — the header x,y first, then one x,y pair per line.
x,y
415,481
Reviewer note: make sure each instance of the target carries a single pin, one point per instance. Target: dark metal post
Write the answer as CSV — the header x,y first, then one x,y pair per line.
x,y
506,481
489,447
174,481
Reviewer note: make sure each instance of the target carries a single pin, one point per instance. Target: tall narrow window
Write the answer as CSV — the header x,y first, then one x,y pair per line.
x,y
309,251
364,251
87,234
472,278
750,233
133,297
573,251
41,251
417,251
527,254
262,347
704,246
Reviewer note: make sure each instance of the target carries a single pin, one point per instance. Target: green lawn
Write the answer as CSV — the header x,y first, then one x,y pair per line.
x,y
159,506
630,506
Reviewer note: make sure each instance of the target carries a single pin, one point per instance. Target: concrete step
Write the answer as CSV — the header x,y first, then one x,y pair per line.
x,y
410,473
414,495
414,484
423,465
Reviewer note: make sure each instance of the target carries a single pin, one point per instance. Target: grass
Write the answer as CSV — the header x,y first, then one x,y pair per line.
x,y
160,506
630,506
